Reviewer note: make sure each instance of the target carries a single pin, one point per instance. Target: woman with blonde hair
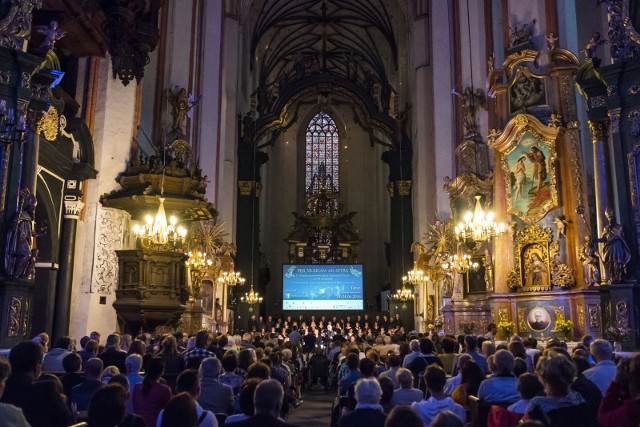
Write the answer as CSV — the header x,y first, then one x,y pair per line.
x,y
561,406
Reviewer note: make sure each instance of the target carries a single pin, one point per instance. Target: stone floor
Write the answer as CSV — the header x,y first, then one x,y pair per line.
x,y
315,411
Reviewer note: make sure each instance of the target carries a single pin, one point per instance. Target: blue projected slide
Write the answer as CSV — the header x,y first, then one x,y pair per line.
x,y
322,287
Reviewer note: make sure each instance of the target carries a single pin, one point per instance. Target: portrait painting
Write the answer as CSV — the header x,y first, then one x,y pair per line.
x,y
474,279
526,91
532,191
538,319
536,271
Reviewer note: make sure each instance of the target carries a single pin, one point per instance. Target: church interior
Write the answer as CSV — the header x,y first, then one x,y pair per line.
x,y
180,165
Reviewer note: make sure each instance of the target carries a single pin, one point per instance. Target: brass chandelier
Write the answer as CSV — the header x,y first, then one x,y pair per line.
x,y
251,298
479,225
158,233
459,263
231,278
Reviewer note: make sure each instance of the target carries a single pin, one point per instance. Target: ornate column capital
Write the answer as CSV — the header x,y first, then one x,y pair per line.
x,y
401,188
246,187
599,129
73,209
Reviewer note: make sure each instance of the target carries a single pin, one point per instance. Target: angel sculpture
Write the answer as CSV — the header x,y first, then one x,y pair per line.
x,y
52,33
590,259
591,47
182,103
562,227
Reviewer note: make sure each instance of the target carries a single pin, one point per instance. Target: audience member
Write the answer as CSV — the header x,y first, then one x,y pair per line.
x,y
150,397
472,349
403,416
447,419
605,370
214,395
426,358
89,351
620,405
502,387
469,384
134,365
112,355
414,347
454,381
193,358
82,393
72,364
393,366
405,394
351,377
52,361
108,373
435,379
189,382
368,411
180,411
267,404
529,386
246,401
229,377
10,415
561,406
40,402
108,406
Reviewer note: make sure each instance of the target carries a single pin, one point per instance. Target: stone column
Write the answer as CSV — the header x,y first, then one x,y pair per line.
x,y
61,312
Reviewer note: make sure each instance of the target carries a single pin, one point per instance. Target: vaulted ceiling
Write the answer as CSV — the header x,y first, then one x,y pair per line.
x,y
340,37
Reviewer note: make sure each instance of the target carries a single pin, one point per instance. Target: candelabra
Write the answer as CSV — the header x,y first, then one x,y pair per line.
x,y
415,276
251,298
459,264
158,234
231,278
478,225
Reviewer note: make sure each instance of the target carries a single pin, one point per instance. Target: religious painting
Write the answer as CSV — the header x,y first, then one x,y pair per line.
x,y
529,165
538,319
536,271
475,280
206,293
526,91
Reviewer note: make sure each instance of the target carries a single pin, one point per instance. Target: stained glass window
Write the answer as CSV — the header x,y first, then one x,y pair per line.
x,y
321,153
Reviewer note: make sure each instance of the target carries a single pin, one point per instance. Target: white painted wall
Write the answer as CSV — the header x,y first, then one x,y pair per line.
x,y
112,138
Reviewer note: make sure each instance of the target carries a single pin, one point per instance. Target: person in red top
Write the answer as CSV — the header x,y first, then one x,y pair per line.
x,y
150,397
620,405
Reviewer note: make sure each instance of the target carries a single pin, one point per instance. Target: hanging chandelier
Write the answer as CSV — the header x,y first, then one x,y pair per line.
x,y
158,233
416,276
251,298
231,278
459,264
479,225
403,295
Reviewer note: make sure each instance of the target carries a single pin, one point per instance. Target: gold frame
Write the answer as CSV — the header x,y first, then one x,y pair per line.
x,y
509,139
525,72
560,275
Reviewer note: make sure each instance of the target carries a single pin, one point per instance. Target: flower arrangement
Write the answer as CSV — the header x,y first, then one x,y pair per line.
x,y
506,329
619,333
565,327
468,328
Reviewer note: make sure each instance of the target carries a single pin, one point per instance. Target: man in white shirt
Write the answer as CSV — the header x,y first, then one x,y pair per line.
x,y
605,370
189,382
436,378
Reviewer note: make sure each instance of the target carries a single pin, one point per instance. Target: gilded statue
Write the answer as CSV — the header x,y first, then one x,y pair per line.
x,y
20,256
615,251
182,103
590,259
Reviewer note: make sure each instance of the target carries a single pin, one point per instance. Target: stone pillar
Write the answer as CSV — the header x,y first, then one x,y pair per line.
x,y
600,136
62,309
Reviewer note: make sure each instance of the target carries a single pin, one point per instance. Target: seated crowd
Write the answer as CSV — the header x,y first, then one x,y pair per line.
x,y
389,379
